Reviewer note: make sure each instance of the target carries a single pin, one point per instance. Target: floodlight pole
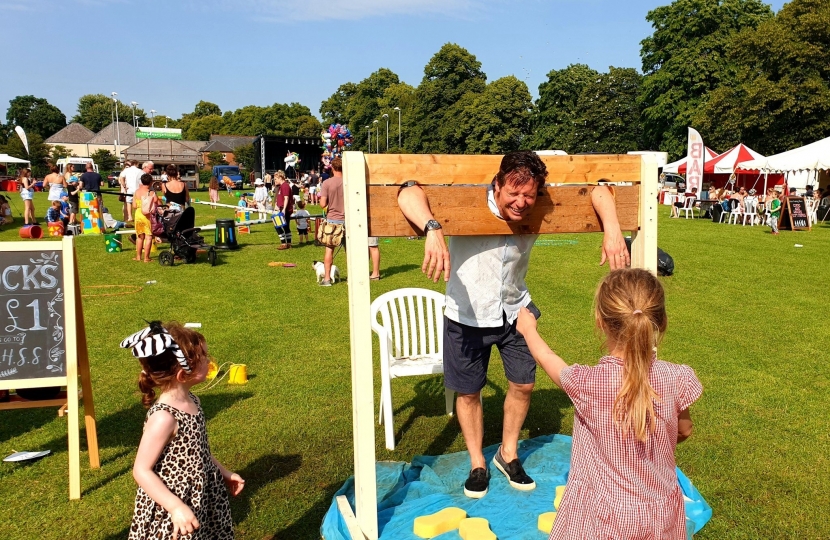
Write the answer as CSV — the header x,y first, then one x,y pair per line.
x,y
387,131
399,127
377,138
117,127
152,118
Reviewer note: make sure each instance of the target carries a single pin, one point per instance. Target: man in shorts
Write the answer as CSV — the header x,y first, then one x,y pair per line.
x,y
485,292
132,181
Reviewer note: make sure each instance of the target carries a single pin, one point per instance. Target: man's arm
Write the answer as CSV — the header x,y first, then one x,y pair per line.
x,y
414,204
613,243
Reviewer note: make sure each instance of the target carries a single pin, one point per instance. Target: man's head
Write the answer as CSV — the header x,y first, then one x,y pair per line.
x,y
520,177
337,165
792,191
147,167
89,167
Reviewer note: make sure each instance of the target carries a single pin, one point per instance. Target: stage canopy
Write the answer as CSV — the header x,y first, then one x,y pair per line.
x,y
679,166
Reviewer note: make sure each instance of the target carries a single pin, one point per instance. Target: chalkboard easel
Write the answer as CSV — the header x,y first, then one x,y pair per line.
x,y
794,215
43,337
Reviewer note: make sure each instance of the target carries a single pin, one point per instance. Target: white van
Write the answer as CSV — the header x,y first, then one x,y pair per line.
x,y
78,164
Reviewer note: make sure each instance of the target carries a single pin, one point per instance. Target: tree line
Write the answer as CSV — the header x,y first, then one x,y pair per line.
x,y
731,68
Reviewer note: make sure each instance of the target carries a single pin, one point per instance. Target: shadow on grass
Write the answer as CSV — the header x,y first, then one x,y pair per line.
x,y
308,525
21,421
399,269
258,474
121,535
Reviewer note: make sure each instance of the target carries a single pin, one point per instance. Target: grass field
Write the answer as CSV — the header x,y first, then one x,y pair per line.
x,y
747,311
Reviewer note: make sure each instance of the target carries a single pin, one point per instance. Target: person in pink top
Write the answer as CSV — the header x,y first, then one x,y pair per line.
x,y
630,411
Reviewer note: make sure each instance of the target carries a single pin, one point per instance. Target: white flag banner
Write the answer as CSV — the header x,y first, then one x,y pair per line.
x,y
695,153
22,135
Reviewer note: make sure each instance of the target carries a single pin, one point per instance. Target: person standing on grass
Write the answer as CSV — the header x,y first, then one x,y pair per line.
x,y
260,197
331,199
285,205
145,203
485,292
74,190
182,489
301,219
213,191
774,212
27,194
91,182
630,412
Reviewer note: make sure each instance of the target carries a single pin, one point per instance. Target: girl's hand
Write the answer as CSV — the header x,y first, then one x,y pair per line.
x,y
184,521
526,322
234,483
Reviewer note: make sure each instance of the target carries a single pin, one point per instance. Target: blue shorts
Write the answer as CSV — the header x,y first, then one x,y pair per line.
x,y
467,355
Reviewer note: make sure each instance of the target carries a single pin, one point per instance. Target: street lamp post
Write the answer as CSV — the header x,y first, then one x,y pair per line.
x,y
399,126
152,118
117,127
369,133
387,131
165,121
377,139
135,123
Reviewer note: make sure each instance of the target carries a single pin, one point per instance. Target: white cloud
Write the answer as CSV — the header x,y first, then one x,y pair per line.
x,y
306,10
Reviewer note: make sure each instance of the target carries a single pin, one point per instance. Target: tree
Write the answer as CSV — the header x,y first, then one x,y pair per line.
x,y
105,159
216,158
308,126
35,115
59,152
780,96
494,121
206,108
201,129
685,59
335,110
38,153
450,74
608,115
399,95
96,111
555,116
245,156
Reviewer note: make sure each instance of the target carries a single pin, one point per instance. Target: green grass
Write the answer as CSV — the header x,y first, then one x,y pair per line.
x,y
746,310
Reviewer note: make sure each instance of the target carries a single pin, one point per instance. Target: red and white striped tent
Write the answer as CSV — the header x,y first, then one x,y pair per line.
x,y
727,162
679,166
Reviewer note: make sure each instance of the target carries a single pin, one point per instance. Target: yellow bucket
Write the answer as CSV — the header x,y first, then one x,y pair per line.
x,y
238,374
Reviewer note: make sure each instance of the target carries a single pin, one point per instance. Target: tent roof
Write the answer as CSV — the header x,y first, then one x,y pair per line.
x,y
5,158
814,156
727,162
679,166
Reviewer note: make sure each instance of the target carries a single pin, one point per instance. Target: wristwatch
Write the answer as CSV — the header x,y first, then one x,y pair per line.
x,y
408,183
432,225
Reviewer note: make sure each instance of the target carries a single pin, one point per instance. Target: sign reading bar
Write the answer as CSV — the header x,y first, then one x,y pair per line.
x,y
32,311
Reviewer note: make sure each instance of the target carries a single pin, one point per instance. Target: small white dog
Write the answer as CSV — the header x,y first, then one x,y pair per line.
x,y
320,270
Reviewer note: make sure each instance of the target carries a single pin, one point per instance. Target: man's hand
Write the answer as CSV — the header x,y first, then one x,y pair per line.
x,y
184,521
436,256
614,250
526,323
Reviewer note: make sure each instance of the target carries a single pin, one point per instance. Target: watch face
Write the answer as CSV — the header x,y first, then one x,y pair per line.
x,y
432,225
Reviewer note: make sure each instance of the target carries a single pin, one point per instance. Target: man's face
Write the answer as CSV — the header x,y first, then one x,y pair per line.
x,y
515,202
147,168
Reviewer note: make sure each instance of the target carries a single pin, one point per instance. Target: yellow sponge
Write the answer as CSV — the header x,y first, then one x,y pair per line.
x,y
557,500
475,529
545,522
439,522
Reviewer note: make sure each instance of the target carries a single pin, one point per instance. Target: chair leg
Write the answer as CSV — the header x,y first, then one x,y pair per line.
x,y
389,428
449,398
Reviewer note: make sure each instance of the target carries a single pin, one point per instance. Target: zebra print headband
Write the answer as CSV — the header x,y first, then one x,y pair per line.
x,y
152,341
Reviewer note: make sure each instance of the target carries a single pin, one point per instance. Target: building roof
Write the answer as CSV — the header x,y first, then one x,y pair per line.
x,y
124,132
164,151
232,141
74,133
216,146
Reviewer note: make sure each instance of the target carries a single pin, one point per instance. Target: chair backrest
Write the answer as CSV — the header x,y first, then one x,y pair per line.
x,y
689,202
412,318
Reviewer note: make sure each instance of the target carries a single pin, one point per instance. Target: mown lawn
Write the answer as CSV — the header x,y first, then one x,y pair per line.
x,y
747,310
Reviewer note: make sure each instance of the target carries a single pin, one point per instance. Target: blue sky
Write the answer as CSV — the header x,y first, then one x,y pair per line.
x,y
169,54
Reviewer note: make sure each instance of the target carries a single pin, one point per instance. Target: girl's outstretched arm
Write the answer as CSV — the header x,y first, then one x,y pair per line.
x,y
158,431
549,360
233,481
684,425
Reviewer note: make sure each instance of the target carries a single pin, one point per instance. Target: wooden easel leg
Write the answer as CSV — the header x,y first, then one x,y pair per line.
x,y
86,382
74,436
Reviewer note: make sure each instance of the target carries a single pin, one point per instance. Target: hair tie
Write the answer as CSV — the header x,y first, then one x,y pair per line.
x,y
636,311
152,341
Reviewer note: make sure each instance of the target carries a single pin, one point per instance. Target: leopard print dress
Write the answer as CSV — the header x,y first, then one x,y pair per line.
x,y
186,468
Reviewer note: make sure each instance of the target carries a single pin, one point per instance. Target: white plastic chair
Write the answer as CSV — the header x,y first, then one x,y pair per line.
x,y
812,211
736,212
750,210
411,335
688,207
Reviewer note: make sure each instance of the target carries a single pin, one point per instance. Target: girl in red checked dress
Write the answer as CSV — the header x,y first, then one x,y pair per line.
x,y
182,489
630,411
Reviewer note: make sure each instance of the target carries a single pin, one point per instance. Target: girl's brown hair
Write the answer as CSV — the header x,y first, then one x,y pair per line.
x,y
172,171
161,370
630,308
214,183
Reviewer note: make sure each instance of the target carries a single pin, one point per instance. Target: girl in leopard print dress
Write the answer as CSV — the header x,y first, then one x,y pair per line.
x,y
182,489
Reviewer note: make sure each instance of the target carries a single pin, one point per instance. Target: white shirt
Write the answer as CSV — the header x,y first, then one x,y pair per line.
x,y
132,179
488,276
260,194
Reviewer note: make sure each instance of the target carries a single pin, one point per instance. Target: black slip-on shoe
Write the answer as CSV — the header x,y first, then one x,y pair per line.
x,y
477,483
514,472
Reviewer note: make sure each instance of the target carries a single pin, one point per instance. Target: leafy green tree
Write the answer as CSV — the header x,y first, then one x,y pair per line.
x,y
59,152
206,108
556,114
245,156
335,110
202,128
780,96
607,113
685,59
38,153
450,74
277,119
216,158
494,121
308,126
399,95
95,111
35,115
105,159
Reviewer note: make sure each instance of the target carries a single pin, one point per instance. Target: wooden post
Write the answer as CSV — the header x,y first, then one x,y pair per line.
x,y
363,391
86,381
644,241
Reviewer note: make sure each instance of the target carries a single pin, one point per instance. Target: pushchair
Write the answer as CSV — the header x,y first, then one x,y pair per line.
x,y
183,237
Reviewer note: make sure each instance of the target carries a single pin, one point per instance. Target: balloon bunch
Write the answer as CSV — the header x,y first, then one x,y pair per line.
x,y
336,138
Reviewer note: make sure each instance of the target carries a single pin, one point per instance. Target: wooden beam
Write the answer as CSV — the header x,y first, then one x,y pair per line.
x,y
394,169
463,211
348,518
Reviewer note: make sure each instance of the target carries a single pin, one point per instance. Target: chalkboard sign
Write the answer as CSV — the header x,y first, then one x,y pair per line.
x,y
794,215
33,314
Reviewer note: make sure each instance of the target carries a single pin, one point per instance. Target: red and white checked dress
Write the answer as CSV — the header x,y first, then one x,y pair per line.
x,y
620,487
